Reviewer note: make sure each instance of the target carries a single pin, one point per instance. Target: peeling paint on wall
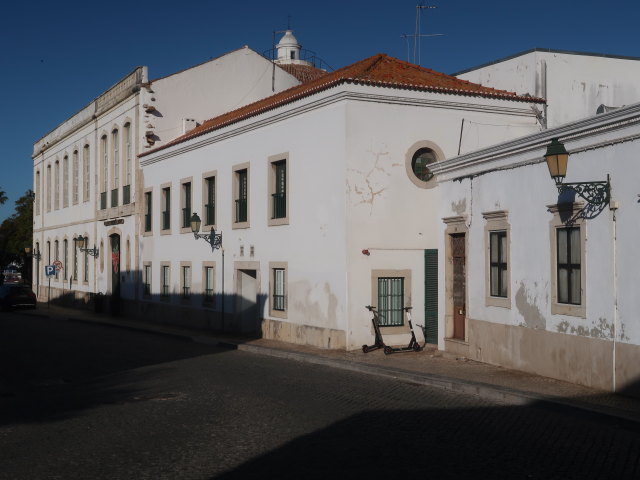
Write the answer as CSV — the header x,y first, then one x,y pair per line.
x,y
314,304
459,207
602,329
528,308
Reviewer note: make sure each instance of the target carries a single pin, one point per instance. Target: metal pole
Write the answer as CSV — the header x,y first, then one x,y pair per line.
x,y
223,298
49,292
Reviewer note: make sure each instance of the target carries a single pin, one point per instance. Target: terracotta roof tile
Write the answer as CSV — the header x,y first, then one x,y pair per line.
x,y
379,70
304,73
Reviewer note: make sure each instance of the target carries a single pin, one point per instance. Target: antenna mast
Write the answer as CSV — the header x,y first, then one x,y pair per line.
x,y
417,35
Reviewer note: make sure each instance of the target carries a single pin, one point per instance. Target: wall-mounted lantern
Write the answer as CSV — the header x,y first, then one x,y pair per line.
x,y
214,239
596,194
81,242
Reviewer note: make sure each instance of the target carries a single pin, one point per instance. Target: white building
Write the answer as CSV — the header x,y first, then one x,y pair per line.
x,y
86,173
325,202
576,85
538,281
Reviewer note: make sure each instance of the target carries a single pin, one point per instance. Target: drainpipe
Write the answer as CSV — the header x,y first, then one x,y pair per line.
x,y
613,206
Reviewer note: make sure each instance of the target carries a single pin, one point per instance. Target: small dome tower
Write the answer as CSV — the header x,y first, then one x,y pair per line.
x,y
288,50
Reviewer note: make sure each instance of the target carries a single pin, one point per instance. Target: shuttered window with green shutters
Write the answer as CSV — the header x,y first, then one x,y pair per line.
x,y
431,295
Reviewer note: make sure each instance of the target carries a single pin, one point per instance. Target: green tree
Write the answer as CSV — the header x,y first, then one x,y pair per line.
x,y
3,197
16,232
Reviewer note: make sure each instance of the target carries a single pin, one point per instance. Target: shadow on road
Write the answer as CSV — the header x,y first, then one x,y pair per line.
x,y
54,369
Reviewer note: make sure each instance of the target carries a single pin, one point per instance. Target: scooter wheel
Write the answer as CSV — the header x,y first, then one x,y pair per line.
x,y
365,348
388,350
417,348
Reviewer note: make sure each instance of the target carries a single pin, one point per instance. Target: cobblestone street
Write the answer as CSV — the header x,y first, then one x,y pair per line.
x,y
88,401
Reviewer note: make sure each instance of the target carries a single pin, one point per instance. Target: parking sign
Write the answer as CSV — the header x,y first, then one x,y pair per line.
x,y
49,270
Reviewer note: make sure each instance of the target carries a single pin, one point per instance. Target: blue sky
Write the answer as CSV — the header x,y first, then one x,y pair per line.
x,y
55,57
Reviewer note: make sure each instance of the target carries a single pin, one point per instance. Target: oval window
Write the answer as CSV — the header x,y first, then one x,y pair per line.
x,y
420,164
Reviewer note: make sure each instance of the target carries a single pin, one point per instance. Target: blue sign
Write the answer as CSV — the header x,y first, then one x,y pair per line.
x,y
49,270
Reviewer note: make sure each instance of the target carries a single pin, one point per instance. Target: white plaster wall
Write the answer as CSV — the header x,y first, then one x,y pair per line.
x,y
211,89
387,213
313,243
576,84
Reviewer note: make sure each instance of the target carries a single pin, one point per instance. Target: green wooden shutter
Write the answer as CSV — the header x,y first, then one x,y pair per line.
x,y
431,295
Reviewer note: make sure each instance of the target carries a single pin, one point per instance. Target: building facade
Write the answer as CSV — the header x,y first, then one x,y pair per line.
x,y
324,199
87,176
538,280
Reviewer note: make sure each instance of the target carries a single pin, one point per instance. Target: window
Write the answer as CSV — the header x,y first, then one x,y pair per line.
x,y
126,189
75,262
37,199
65,253
391,301
115,145
105,172
147,279
567,242
185,280
166,208
498,262
241,199
278,190
497,271
568,265
241,196
76,174
420,164
48,188
86,266
391,293
165,280
186,205
85,174
147,211
210,200
56,250
56,198
208,277
65,182
278,289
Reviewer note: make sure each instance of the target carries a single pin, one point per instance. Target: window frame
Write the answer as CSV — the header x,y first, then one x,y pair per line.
x,y
165,281
561,213
238,171
147,279
165,209
208,199
405,275
497,221
65,181
274,162
409,160
186,281
86,172
209,300
186,204
75,178
147,217
273,311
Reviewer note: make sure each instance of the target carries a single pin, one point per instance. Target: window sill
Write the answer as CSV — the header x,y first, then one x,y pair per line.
x,y
273,222
501,302
240,225
569,310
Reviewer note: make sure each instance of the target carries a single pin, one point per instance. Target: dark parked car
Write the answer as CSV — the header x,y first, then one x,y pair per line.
x,y
16,295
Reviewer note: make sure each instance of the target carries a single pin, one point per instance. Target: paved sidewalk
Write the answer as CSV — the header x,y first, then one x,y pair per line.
x,y
429,367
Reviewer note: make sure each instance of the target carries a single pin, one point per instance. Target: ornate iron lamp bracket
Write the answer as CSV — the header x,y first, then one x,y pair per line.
x,y
596,194
214,239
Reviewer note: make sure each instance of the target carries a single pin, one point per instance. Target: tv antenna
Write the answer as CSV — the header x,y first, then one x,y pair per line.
x,y
417,34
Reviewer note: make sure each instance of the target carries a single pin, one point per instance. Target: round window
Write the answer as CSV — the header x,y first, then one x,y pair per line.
x,y
420,164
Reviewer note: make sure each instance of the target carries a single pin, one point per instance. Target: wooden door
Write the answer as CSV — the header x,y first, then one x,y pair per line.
x,y
459,285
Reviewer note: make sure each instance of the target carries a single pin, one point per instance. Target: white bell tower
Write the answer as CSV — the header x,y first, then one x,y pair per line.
x,y
288,50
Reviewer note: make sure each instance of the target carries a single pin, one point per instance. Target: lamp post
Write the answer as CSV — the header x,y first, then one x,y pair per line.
x,y
36,255
596,194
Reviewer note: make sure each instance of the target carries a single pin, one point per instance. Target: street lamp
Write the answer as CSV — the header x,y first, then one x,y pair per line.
x,y
81,242
596,194
35,255
214,239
